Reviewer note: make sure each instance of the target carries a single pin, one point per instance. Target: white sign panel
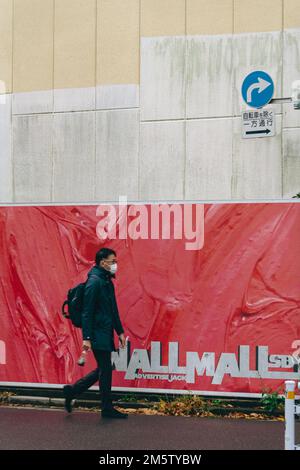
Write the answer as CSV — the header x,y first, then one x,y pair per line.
x,y
258,123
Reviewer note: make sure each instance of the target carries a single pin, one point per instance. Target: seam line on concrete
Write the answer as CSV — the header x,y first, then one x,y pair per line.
x,y
74,111
145,120
232,108
282,106
11,109
139,112
95,98
53,51
199,118
52,98
96,49
52,158
185,104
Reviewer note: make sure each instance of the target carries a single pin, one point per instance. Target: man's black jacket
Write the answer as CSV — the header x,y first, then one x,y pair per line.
x,y
100,315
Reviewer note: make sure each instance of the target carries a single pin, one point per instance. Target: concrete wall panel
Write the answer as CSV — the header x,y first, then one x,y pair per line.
x,y
6,181
74,99
117,96
256,51
257,16
291,162
257,165
118,27
291,72
117,166
75,44
162,160
209,16
6,35
74,156
291,14
209,76
163,78
209,159
162,17
32,102
32,157
33,45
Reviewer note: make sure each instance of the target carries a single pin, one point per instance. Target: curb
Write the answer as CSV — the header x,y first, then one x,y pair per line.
x,y
59,402
90,404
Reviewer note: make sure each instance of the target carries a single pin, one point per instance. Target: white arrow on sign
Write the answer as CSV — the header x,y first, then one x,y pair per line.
x,y
261,85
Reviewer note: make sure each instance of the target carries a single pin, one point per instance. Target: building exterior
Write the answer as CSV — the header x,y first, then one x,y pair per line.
x,y
102,98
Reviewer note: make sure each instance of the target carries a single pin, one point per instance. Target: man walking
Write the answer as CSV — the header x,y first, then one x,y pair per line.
x,y
100,317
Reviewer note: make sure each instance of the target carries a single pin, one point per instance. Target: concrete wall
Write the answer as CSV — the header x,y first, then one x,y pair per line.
x,y
101,98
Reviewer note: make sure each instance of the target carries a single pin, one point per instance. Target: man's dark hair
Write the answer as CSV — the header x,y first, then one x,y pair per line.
x,y
103,253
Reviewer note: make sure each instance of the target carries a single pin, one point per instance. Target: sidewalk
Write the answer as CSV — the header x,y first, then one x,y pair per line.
x,y
28,428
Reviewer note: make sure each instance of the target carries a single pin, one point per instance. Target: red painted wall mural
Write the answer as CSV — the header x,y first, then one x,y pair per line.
x,y
222,318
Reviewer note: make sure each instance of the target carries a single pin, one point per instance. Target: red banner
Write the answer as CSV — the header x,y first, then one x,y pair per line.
x,y
219,316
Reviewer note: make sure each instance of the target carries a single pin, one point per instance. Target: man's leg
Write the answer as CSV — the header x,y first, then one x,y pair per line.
x,y
105,378
103,359
85,382
72,391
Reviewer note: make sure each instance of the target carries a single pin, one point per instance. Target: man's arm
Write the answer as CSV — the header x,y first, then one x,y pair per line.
x,y
117,323
116,320
116,317
89,303
118,327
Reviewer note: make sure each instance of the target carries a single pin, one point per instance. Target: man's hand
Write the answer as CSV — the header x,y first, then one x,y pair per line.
x,y
86,345
122,340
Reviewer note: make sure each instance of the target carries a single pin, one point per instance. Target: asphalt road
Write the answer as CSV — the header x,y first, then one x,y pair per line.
x,y
31,429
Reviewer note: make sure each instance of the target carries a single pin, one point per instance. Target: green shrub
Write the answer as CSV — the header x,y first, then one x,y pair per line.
x,y
271,401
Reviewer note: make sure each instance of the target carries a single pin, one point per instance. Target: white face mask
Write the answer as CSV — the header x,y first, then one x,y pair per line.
x,y
113,268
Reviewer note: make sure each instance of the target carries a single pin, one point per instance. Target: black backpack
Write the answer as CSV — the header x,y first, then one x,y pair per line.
x,y
75,304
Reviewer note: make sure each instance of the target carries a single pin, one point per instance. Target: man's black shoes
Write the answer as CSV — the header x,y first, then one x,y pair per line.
x,y
68,394
106,413
113,413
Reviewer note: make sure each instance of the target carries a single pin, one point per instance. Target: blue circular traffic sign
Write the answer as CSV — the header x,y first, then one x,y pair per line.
x,y
257,89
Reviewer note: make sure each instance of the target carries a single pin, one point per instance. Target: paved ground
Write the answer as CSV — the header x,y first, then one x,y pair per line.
x,y
22,428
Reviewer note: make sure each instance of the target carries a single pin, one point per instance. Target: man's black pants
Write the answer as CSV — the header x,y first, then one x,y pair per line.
x,y
103,373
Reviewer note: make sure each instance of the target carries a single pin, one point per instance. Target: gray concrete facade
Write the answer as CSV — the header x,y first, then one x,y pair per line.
x,y
177,136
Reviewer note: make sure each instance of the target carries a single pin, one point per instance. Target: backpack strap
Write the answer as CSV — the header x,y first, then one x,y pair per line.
x,y
65,314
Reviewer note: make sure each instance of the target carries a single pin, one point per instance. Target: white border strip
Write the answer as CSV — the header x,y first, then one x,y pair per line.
x,y
144,390
149,201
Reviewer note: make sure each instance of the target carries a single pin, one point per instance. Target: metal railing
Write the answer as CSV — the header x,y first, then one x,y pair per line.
x,y
290,410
